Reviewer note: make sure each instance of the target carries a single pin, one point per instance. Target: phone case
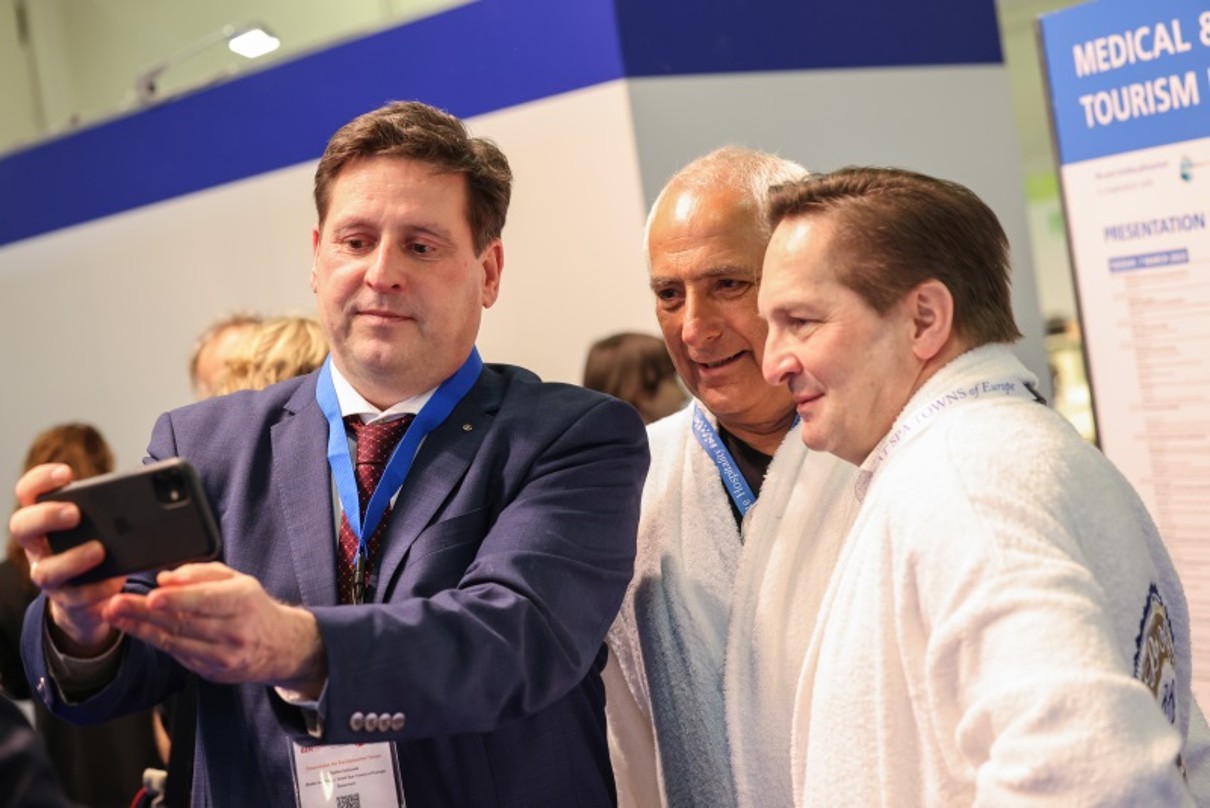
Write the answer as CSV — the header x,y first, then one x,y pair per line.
x,y
148,519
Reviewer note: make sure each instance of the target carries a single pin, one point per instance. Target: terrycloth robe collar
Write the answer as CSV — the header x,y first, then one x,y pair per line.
x,y
977,373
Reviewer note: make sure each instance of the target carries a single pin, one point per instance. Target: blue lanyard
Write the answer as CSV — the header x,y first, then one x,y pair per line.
x,y
728,470
436,410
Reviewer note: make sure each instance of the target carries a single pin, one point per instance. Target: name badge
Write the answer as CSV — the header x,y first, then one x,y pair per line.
x,y
356,775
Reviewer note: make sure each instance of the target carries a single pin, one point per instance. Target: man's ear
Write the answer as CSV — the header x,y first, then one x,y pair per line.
x,y
931,308
492,262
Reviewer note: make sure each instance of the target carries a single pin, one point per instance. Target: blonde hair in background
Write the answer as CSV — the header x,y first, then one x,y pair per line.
x,y
209,340
277,349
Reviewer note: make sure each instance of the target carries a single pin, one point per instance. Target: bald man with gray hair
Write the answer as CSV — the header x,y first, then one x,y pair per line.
x,y
728,495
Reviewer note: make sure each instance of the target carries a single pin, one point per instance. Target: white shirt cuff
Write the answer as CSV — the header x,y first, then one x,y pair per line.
x,y
312,709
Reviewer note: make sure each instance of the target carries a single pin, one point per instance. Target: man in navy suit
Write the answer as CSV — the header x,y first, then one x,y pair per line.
x,y
466,661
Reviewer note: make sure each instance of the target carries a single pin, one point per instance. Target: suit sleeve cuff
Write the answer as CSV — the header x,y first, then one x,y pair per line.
x,y
75,678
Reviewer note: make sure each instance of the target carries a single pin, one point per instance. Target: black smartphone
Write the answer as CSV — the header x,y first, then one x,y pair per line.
x,y
148,519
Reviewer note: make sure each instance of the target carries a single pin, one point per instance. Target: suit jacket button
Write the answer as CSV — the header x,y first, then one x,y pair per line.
x,y
356,722
41,685
397,722
371,722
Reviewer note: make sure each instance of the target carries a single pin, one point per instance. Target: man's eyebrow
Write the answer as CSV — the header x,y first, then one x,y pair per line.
x,y
724,271
729,270
415,228
434,230
338,223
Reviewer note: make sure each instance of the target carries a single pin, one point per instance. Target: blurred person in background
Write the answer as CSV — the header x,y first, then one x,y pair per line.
x,y
27,779
208,362
637,369
276,349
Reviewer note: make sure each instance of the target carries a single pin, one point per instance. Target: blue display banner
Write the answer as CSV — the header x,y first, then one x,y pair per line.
x,y
1125,75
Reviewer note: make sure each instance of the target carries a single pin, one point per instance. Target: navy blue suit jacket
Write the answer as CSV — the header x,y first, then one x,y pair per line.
x,y
505,560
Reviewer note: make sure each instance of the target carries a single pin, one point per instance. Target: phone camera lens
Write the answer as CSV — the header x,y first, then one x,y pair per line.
x,y
170,487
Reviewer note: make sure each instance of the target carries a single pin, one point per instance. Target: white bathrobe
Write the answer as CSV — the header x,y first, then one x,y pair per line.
x,y
671,641
1003,626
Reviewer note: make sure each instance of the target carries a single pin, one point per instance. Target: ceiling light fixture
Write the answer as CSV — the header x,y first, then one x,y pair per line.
x,y
253,43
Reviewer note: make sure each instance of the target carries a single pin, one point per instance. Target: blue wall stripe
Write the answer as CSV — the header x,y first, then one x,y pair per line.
x,y
474,59
485,56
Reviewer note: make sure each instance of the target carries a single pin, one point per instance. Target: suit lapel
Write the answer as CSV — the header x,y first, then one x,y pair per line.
x,y
301,476
440,464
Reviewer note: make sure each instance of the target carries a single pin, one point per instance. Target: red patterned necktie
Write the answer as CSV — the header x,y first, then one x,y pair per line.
x,y
375,442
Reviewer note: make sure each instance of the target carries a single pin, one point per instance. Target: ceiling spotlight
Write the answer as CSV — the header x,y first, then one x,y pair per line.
x,y
253,43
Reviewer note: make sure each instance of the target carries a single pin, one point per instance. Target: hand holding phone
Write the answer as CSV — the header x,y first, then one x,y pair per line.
x,y
151,518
